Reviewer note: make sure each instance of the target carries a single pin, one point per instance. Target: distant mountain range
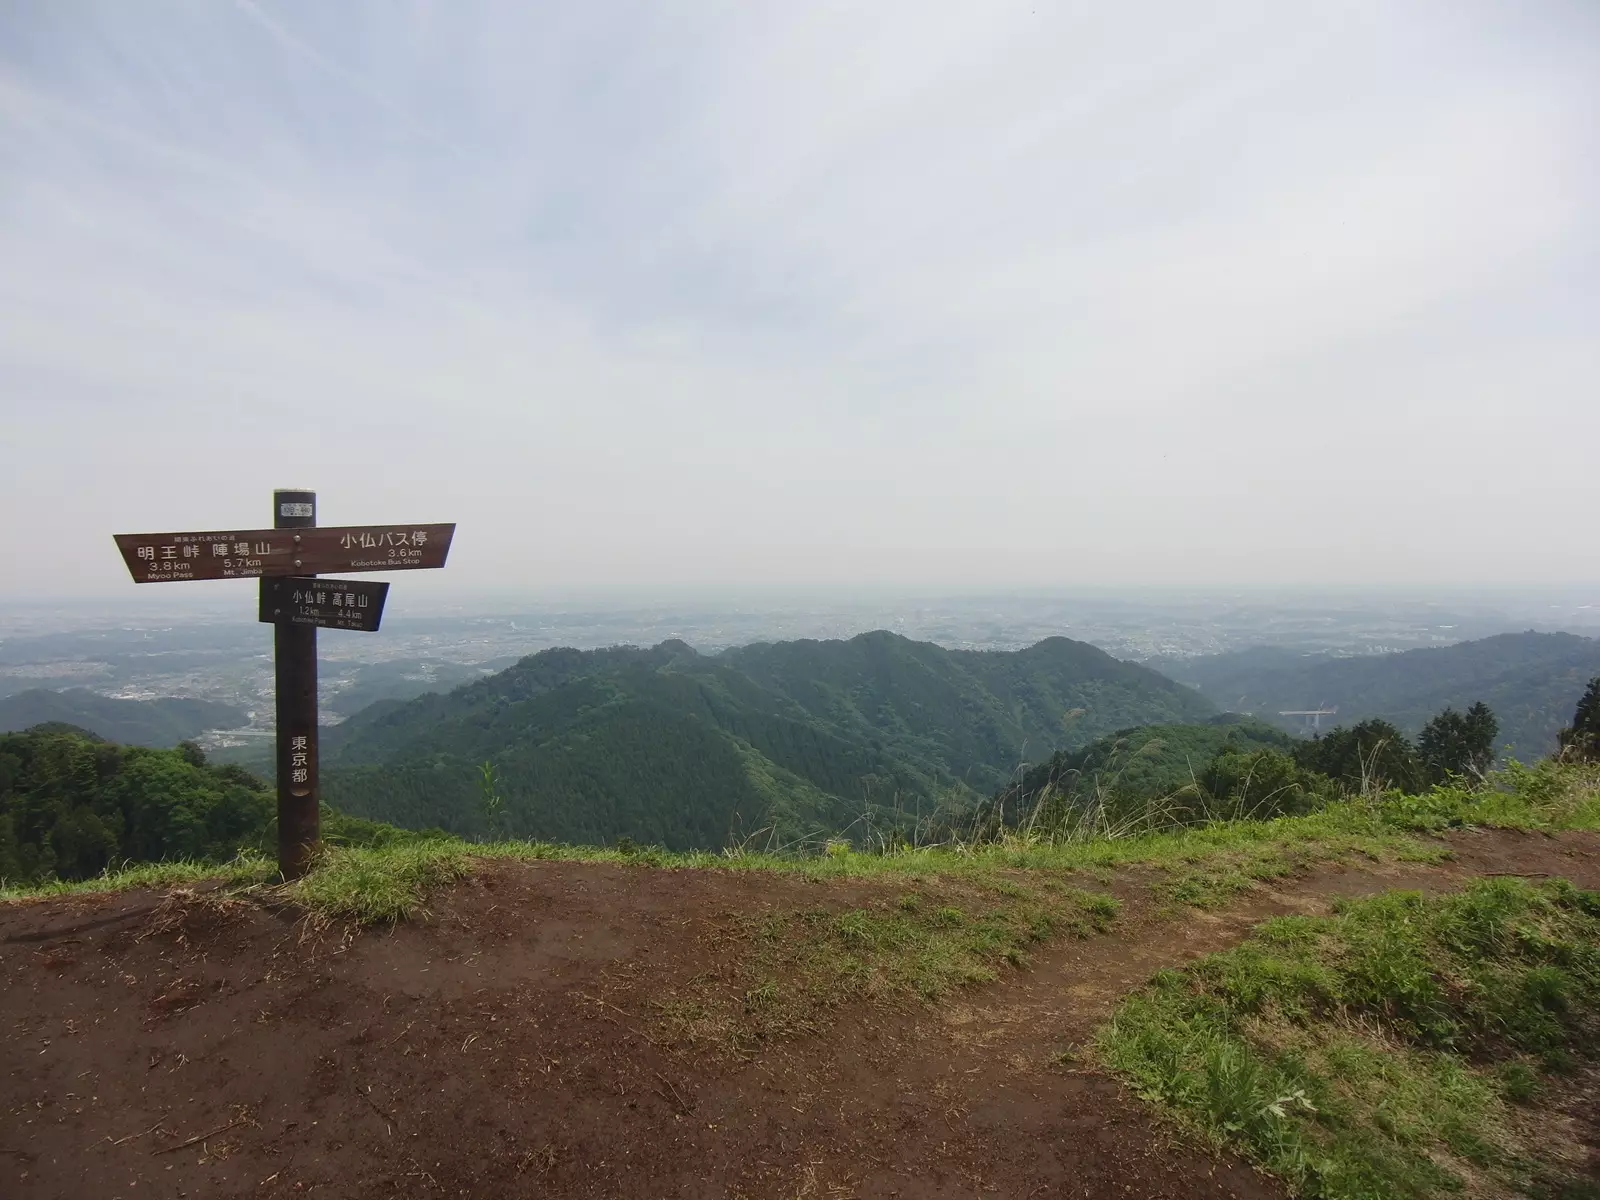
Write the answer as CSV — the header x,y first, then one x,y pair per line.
x,y
162,722
792,738
787,741
1532,681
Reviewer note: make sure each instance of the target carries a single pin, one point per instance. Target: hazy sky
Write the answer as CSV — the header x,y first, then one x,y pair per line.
x,y
676,294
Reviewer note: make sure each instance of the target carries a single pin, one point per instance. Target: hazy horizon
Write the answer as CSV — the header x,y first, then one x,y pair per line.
x,y
914,298
1577,608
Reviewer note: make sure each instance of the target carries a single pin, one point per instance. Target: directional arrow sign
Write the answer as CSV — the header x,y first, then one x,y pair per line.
x,y
283,560
253,553
325,603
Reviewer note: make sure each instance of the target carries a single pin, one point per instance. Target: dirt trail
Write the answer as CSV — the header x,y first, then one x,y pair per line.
x,y
506,1046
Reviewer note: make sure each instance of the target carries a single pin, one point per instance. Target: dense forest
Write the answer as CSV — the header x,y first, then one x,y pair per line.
x,y
638,750
1528,679
979,712
1142,763
1164,775
794,739
162,722
73,804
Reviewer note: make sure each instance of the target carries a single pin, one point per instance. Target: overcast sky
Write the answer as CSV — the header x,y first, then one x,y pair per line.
x,y
674,295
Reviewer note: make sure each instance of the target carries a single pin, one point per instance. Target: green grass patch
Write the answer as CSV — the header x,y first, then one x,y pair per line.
x,y
243,871
783,972
389,873
883,949
371,885
1383,1051
1547,796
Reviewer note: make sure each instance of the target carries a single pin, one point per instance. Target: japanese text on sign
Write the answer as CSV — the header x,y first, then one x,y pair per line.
x,y
299,760
166,557
326,603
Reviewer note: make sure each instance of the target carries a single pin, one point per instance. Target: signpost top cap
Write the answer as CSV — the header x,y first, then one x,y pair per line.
x,y
294,508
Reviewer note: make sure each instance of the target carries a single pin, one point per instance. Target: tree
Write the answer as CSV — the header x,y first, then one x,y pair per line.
x,y
1483,727
1371,755
70,806
1581,739
1455,745
1258,784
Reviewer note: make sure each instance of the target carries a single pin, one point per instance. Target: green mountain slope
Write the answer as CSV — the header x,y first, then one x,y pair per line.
x,y
398,679
978,714
1530,680
163,722
661,745
799,739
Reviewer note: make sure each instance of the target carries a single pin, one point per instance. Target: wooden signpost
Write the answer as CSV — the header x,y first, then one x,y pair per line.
x,y
286,560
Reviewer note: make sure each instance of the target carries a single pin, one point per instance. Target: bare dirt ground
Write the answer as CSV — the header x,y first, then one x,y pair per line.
x,y
509,1045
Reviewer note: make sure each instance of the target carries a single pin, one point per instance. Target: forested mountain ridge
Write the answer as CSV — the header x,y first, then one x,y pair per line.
x,y
637,748
1528,679
979,712
667,745
165,721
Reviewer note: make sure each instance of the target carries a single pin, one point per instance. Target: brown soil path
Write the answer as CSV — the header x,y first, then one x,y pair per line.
x,y
507,1046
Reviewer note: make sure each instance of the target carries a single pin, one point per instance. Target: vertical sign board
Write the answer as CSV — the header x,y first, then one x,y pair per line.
x,y
287,560
294,660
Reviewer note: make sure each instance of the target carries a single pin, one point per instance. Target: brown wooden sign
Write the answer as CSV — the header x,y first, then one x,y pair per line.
x,y
283,559
326,603
254,553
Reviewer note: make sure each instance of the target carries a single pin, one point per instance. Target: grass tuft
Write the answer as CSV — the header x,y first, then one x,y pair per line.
x,y
373,885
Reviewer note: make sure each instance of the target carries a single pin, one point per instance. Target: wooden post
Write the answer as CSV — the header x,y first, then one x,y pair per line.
x,y
286,563
295,664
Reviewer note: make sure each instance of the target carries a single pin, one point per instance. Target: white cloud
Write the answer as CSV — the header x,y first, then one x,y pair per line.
x,y
906,293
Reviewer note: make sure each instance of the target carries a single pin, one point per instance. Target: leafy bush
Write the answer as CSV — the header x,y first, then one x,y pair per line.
x,y
1259,785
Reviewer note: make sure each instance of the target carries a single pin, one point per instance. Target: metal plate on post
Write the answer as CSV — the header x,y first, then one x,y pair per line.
x,y
326,603
258,553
